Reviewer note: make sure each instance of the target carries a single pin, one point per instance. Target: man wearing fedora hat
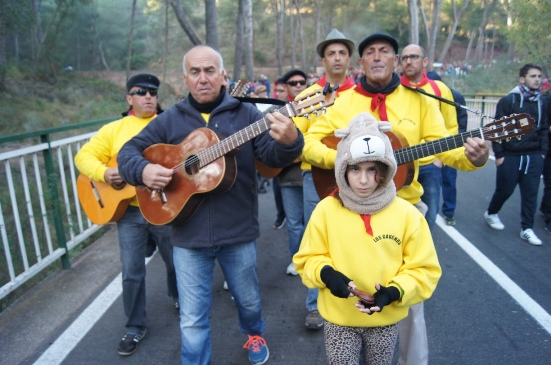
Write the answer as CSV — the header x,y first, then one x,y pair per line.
x,y
335,52
133,230
417,118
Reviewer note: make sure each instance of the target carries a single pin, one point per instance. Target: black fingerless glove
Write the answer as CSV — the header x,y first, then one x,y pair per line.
x,y
385,295
336,281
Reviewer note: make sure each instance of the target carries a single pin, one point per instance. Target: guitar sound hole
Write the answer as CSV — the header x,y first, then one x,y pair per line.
x,y
192,165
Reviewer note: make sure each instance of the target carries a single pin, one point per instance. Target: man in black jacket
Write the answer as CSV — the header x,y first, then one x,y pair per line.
x,y
224,226
520,161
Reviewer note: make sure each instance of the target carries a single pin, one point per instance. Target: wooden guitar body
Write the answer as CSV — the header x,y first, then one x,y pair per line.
x,y
179,200
101,202
324,179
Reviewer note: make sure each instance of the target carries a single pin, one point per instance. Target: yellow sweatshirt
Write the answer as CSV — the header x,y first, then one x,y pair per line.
x,y
400,253
92,158
417,117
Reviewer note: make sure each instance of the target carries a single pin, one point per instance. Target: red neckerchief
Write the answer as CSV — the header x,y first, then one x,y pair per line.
x,y
377,100
347,84
365,217
424,80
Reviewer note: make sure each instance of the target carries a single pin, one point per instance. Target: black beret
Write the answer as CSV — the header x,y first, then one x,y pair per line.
x,y
378,36
143,80
292,73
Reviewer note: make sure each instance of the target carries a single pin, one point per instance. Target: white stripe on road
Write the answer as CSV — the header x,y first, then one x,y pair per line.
x,y
528,304
69,339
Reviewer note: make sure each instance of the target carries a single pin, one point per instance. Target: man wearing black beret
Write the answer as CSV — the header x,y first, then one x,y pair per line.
x,y
135,233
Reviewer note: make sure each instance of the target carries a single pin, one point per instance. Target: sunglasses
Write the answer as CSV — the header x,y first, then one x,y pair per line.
x,y
412,57
143,92
295,83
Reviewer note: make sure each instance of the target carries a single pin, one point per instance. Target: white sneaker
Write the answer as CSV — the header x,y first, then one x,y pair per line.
x,y
493,221
529,235
225,285
291,270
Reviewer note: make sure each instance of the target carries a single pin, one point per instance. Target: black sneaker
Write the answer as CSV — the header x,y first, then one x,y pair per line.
x,y
450,221
279,223
129,344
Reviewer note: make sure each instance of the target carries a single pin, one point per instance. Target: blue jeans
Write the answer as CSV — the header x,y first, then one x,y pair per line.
x,y
430,178
311,199
449,191
194,270
278,200
294,212
133,232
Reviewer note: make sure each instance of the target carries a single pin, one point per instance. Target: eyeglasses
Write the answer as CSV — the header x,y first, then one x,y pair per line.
x,y
297,82
143,92
412,57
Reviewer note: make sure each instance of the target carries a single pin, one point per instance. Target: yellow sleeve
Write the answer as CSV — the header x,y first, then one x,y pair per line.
x,y
94,155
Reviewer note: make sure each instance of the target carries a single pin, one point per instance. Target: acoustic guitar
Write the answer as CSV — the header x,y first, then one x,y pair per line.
x,y
515,125
202,163
103,203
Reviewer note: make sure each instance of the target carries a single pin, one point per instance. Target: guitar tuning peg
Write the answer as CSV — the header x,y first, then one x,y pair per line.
x,y
307,116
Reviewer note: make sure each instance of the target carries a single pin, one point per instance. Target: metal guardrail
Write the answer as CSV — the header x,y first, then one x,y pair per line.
x,y
41,220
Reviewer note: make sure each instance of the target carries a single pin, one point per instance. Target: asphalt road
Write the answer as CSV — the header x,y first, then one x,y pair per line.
x,y
490,307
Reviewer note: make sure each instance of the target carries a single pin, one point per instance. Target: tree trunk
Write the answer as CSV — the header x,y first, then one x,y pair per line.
x,y
301,36
249,52
456,17
164,58
179,11
479,51
413,12
278,9
434,29
130,39
211,23
472,36
240,24
36,31
293,37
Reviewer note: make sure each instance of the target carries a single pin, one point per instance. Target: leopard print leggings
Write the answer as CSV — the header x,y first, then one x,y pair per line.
x,y
343,345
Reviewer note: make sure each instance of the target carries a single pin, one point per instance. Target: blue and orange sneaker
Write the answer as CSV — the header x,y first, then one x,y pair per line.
x,y
258,350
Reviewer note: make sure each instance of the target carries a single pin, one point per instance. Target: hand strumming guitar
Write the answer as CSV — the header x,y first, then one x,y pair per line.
x,y
156,177
113,178
282,129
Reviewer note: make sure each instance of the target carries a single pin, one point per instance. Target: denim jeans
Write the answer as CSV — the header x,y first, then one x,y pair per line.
x,y
449,191
294,212
194,270
133,232
430,178
311,199
278,200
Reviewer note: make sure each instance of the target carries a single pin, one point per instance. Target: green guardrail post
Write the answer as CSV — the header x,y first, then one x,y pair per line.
x,y
482,111
53,180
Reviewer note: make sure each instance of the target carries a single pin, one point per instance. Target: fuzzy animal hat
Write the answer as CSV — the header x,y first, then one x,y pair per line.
x,y
364,140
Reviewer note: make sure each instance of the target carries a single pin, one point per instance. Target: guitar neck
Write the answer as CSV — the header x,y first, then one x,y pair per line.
x,y
237,139
416,152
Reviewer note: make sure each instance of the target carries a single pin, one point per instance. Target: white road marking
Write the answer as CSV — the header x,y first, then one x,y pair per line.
x,y
524,300
69,339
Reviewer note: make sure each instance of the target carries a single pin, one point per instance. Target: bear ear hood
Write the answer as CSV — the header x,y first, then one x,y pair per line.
x,y
364,140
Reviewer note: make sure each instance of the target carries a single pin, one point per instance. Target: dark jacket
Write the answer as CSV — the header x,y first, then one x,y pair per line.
x,y
536,141
222,218
462,117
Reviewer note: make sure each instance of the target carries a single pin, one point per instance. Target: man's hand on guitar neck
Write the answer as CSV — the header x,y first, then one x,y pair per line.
x,y
282,128
156,177
477,151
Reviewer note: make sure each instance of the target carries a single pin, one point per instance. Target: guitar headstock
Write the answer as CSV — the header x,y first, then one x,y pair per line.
x,y
314,102
515,125
240,89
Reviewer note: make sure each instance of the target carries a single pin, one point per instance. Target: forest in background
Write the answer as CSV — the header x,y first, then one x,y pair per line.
x,y
65,61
